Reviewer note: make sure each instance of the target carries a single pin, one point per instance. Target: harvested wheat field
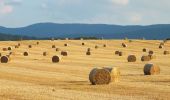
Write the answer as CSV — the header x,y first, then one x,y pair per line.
x,y
36,77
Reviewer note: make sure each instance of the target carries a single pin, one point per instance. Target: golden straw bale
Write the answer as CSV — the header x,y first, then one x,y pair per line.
x,y
64,53
88,53
151,52
145,58
56,59
131,58
115,73
151,69
25,54
124,45
166,52
53,46
152,56
144,50
5,59
99,76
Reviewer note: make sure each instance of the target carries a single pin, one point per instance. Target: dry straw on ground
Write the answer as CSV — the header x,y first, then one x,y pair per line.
x,y
0,54
11,53
5,59
64,53
115,73
162,43
151,69
99,76
131,58
145,58
56,59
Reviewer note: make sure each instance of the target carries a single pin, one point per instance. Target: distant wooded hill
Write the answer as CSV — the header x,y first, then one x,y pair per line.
x,y
48,30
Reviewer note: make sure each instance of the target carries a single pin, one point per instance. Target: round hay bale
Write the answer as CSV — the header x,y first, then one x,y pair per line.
x,y
96,47
151,69
64,53
160,46
99,76
4,49
56,59
29,46
144,50
166,52
151,52
145,58
131,58
25,53
82,43
88,53
115,73
19,44
124,45
5,59
9,48
10,53
16,46
57,49
152,56
65,44
38,43
120,53
116,52
45,53
88,49
53,46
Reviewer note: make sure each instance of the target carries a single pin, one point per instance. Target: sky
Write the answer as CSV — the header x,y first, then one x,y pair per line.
x,y
19,13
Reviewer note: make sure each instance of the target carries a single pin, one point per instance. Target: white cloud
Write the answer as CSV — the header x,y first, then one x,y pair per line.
x,y
135,18
6,9
120,2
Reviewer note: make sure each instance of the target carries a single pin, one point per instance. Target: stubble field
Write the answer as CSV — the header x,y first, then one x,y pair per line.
x,y
35,77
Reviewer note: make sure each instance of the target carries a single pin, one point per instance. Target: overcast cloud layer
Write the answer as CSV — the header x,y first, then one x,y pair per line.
x,y
15,13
